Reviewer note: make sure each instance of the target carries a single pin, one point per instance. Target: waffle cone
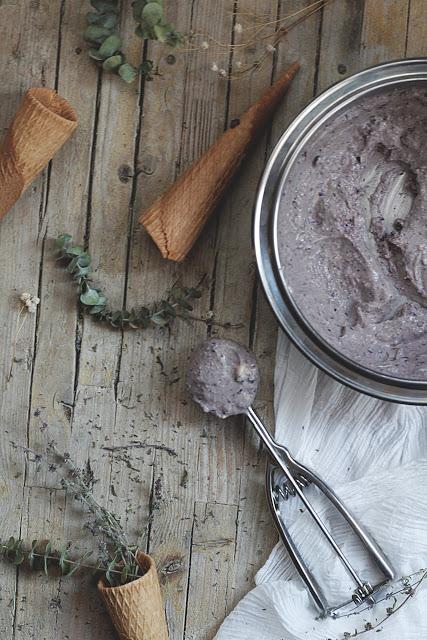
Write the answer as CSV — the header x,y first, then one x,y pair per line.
x,y
175,220
136,608
43,122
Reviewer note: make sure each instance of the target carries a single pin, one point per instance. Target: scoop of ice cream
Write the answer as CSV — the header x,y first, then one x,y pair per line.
x,y
223,377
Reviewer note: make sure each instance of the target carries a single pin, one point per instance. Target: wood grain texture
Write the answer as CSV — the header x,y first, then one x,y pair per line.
x,y
202,512
384,31
416,40
212,566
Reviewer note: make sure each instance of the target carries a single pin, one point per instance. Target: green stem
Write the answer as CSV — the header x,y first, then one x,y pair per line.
x,y
134,574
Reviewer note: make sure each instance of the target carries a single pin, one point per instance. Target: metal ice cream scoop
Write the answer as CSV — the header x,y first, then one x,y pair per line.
x,y
223,378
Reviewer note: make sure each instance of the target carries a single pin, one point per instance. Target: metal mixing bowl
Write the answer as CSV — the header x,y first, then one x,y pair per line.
x,y
401,73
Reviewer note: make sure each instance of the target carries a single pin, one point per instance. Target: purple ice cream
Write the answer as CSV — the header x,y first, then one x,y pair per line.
x,y
223,377
352,232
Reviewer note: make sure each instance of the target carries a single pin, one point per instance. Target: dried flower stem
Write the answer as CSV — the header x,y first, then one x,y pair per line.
x,y
29,303
407,588
264,31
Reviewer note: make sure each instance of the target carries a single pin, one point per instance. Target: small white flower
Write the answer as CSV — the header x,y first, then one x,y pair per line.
x,y
215,67
204,45
270,49
223,73
238,28
30,301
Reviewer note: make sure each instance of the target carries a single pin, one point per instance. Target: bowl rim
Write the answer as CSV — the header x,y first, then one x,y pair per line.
x,y
325,106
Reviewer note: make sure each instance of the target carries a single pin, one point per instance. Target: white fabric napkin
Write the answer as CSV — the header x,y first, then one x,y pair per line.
x,y
374,455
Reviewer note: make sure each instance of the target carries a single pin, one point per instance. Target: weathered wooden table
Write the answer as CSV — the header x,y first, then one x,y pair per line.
x,y
202,511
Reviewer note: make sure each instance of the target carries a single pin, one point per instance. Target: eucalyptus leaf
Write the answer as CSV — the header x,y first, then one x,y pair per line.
x,y
31,555
174,38
63,240
116,317
185,304
159,320
93,53
83,260
107,20
46,555
95,33
83,271
161,32
110,46
112,63
73,264
11,543
19,557
92,17
146,69
168,308
96,309
127,72
63,559
90,297
78,564
75,251
152,13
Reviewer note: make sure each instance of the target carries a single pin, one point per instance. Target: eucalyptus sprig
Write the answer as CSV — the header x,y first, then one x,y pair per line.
x,y
106,43
117,557
42,555
78,264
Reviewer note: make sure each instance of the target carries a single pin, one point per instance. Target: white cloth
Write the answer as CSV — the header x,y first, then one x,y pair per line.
x,y
374,454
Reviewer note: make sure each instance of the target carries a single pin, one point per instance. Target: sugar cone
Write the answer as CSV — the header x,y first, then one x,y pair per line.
x,y
175,220
43,122
136,608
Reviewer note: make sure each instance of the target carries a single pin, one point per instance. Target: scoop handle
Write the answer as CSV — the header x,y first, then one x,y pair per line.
x,y
277,452
279,455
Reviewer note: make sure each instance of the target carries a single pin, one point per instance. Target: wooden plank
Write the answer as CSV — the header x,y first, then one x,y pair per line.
x,y
384,31
107,224
235,273
27,60
187,94
256,533
212,564
56,358
101,200
37,592
339,48
417,29
232,302
84,616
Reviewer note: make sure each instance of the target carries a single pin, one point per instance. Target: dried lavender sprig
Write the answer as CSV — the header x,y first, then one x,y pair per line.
x,y
121,555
